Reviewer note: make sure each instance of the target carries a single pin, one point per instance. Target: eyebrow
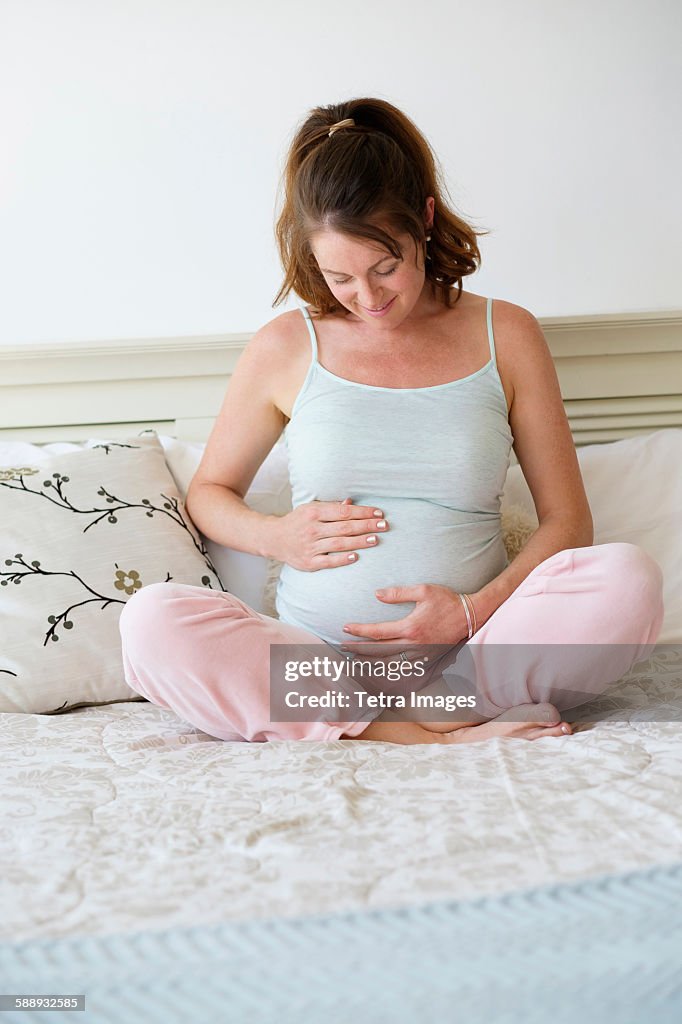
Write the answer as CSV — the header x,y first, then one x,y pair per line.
x,y
326,270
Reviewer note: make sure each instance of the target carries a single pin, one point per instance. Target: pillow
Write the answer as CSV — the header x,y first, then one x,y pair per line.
x,y
82,530
634,488
245,575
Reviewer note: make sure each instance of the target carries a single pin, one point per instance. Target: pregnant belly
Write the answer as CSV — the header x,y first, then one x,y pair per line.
x,y
425,543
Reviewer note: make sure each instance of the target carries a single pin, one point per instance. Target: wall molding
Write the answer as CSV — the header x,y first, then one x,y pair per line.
x,y
620,374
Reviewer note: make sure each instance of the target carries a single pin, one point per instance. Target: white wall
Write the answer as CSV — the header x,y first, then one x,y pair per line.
x,y
143,142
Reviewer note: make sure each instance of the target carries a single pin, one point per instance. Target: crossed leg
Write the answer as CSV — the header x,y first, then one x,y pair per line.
x,y
206,655
599,607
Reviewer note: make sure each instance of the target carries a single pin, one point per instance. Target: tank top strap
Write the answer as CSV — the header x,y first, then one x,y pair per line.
x,y
311,331
491,339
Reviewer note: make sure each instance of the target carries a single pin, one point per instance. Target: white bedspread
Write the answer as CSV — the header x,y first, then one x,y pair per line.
x,y
123,817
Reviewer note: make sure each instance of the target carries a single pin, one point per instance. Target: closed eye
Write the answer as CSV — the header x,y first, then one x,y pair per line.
x,y
381,273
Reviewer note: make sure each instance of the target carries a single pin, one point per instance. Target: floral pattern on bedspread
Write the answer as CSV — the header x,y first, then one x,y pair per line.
x,y
123,817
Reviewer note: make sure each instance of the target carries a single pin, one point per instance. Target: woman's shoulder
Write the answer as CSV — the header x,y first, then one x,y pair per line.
x,y
469,312
511,310
280,337
502,308
513,325
523,357
473,304
281,348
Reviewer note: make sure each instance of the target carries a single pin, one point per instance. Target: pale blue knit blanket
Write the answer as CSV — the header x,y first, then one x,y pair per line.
x,y
602,951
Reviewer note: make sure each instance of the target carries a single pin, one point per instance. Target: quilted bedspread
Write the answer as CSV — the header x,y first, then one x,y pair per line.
x,y
124,818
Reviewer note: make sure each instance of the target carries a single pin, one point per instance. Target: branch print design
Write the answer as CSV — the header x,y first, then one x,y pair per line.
x,y
122,579
114,444
125,580
53,491
62,618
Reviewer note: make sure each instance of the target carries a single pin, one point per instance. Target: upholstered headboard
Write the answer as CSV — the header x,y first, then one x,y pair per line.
x,y
620,374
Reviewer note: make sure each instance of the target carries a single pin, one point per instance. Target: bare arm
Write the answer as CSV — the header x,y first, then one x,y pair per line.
x,y
247,427
316,535
546,452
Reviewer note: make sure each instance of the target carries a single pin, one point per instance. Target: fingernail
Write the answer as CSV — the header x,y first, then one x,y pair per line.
x,y
352,556
371,540
346,629
378,512
564,728
381,525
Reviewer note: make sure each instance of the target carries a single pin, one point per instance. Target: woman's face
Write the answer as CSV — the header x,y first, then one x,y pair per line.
x,y
362,276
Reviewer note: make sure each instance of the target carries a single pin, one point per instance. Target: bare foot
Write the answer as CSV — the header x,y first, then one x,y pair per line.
x,y
524,722
527,722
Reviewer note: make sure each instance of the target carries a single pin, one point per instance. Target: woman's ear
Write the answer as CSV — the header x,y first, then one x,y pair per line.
x,y
428,212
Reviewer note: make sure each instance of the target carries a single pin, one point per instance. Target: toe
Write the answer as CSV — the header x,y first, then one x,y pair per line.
x,y
561,729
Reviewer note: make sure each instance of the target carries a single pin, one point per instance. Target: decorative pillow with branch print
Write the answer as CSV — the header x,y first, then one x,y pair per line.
x,y
79,534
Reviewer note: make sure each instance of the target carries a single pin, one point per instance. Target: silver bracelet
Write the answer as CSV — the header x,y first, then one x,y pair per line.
x,y
468,600
466,612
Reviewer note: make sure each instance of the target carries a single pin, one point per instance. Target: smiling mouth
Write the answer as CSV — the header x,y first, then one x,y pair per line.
x,y
379,308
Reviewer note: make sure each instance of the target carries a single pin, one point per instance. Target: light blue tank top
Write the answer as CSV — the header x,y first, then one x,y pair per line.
x,y
433,459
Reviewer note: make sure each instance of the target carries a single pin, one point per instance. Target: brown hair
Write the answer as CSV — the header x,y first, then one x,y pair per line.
x,y
380,168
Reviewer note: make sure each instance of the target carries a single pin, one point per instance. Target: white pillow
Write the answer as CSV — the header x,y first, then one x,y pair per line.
x,y
634,488
81,530
245,575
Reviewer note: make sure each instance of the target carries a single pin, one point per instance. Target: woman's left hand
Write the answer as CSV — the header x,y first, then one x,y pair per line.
x,y
437,618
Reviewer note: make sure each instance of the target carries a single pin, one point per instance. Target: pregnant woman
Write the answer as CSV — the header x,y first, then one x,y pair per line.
x,y
400,396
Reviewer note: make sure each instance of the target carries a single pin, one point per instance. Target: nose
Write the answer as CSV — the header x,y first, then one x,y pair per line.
x,y
370,301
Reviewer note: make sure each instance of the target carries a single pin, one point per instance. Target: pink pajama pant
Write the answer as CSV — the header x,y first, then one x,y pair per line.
x,y
205,654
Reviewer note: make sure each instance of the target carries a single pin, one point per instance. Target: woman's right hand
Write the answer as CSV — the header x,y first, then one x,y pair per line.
x,y
327,534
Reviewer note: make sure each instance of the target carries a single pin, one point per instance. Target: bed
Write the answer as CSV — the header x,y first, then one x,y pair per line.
x,y
167,875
